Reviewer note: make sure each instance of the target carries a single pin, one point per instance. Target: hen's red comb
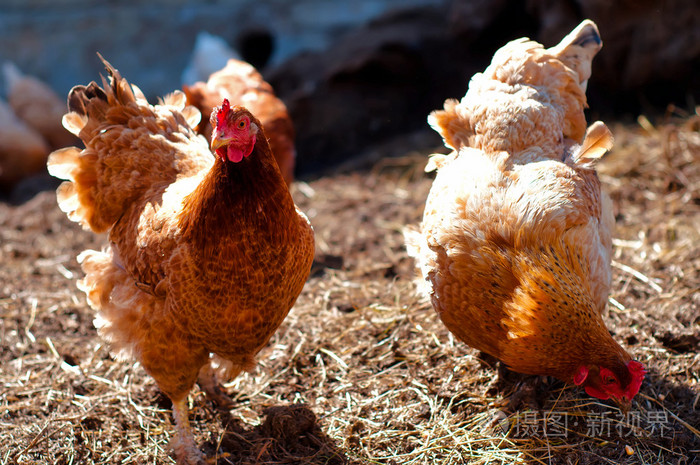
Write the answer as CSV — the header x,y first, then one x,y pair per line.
x,y
637,371
223,111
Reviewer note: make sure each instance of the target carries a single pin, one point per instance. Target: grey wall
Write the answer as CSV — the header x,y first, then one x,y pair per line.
x,y
151,42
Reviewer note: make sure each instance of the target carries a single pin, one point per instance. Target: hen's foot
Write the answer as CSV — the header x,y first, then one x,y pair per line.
x,y
188,455
525,387
208,382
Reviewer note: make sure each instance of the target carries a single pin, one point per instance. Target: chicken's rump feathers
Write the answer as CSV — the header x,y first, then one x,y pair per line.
x,y
527,97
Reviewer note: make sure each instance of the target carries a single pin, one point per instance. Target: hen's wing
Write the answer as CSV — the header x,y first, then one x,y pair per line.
x,y
150,146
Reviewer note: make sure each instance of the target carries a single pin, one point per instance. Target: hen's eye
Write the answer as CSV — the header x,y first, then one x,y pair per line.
x,y
241,124
609,380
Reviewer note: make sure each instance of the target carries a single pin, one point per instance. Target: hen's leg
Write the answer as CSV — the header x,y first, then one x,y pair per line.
x,y
186,451
173,359
209,383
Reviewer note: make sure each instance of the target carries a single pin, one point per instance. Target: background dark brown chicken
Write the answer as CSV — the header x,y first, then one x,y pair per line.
x,y
242,84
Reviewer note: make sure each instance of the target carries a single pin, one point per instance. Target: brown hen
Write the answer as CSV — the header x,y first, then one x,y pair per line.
x,y
207,254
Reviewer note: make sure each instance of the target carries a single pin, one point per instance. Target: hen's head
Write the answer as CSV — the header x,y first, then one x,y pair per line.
x,y
235,132
619,383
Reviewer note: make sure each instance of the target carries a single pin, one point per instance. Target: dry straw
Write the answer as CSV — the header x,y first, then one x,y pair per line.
x,y
362,371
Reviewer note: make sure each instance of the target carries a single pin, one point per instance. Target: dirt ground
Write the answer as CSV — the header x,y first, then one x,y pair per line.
x,y
362,371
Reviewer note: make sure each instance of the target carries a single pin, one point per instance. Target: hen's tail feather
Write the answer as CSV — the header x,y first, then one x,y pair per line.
x,y
119,304
451,124
88,110
64,164
74,122
578,48
90,104
597,142
80,96
122,159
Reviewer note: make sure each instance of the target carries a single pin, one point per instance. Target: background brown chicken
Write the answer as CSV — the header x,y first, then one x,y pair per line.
x,y
22,150
515,242
30,127
35,103
242,84
207,254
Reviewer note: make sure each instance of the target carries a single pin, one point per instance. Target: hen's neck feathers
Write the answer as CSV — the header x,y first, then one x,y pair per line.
x,y
553,325
237,197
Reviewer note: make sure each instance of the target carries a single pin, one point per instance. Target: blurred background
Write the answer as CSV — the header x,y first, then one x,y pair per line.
x,y
358,73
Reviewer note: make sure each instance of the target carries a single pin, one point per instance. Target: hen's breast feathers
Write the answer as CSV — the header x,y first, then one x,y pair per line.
x,y
213,252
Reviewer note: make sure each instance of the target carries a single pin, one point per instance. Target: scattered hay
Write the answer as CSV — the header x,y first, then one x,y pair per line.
x,y
362,371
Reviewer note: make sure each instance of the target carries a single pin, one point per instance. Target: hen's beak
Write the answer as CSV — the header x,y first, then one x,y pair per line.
x,y
623,404
218,140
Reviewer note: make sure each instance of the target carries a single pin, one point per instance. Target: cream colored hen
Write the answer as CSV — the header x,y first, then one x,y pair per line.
x,y
23,151
515,242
